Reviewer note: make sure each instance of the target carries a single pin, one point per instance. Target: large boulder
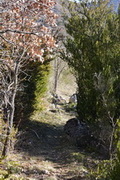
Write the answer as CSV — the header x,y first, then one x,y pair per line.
x,y
77,132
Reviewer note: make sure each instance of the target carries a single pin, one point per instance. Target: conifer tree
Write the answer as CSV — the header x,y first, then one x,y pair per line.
x,y
93,51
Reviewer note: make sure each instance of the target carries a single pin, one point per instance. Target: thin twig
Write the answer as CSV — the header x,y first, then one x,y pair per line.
x,y
36,133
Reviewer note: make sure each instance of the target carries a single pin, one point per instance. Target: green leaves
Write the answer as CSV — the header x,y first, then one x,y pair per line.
x,y
92,50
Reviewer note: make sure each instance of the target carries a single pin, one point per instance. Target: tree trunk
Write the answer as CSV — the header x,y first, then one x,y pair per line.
x,y
9,112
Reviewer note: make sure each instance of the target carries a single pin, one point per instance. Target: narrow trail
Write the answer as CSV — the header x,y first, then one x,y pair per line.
x,y
45,153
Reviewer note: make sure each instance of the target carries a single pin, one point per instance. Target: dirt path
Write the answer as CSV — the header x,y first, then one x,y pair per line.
x,y
44,152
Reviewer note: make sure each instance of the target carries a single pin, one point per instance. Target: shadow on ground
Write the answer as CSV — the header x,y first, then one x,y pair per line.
x,y
44,140
47,152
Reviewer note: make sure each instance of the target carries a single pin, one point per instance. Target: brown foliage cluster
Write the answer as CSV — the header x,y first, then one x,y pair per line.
x,y
28,24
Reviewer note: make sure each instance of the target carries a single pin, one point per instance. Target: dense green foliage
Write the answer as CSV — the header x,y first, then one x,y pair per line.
x,y
93,51
33,89
36,85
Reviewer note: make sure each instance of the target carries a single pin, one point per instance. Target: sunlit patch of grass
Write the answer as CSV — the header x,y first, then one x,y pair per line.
x,y
3,174
35,163
24,168
76,171
48,118
10,169
16,177
79,157
46,166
